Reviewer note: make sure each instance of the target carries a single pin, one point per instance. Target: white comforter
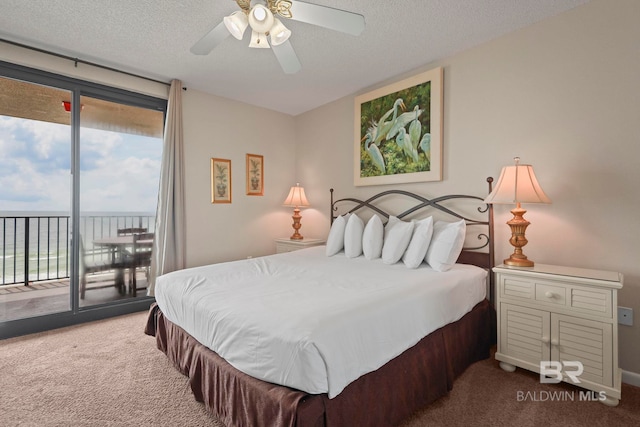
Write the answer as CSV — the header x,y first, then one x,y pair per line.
x,y
312,322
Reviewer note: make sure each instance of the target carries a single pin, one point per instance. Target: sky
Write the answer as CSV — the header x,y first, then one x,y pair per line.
x,y
118,172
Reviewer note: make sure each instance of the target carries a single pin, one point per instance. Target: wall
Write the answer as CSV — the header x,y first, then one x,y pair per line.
x,y
564,95
221,128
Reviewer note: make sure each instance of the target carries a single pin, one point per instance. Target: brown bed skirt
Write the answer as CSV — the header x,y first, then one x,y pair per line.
x,y
384,397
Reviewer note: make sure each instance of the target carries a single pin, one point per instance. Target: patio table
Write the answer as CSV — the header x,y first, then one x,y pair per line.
x,y
118,246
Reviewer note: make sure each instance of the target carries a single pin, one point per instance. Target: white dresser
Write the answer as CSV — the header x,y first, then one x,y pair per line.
x,y
561,314
288,245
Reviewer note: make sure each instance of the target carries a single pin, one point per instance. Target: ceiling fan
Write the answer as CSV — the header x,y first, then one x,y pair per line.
x,y
265,27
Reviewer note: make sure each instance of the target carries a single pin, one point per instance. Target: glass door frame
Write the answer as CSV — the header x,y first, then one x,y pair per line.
x,y
78,88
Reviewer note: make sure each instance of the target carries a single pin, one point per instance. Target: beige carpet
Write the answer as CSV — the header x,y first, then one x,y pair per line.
x,y
108,373
105,373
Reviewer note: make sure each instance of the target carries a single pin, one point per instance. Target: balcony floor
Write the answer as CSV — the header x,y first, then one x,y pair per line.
x,y
39,298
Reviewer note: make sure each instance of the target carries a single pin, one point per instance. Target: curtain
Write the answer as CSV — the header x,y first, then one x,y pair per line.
x,y
169,246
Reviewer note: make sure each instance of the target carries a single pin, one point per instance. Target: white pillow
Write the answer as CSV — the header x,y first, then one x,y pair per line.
x,y
446,244
397,236
373,238
335,240
390,223
353,236
417,250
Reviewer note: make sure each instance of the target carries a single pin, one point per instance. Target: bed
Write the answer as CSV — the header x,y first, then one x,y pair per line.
x,y
365,343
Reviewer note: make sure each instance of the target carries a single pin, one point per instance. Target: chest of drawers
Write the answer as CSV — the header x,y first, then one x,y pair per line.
x,y
561,315
288,245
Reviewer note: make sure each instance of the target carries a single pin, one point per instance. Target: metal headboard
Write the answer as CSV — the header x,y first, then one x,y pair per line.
x,y
481,255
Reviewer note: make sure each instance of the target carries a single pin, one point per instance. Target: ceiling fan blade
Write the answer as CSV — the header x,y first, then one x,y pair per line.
x,y
287,58
327,17
212,39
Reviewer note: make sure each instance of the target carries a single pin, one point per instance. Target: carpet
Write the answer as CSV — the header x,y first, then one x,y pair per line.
x,y
108,373
104,373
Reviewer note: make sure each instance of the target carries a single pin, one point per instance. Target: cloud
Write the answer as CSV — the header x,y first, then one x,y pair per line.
x,y
118,172
131,183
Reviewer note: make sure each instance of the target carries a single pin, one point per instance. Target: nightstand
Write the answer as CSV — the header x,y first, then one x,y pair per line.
x,y
288,245
561,315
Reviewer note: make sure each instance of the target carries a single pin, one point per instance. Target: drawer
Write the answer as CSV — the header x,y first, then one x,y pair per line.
x,y
567,297
288,245
282,248
516,288
552,294
591,300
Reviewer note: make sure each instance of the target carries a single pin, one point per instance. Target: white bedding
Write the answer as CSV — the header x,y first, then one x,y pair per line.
x,y
312,322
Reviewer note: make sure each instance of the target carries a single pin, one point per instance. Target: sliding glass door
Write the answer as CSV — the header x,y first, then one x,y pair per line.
x,y
81,160
120,155
35,200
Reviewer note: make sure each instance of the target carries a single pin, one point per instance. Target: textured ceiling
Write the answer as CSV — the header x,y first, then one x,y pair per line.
x,y
152,38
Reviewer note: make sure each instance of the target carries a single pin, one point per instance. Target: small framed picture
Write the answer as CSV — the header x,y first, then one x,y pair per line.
x,y
255,175
220,180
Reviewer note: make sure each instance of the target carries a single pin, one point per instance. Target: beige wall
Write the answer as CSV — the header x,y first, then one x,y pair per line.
x,y
218,127
564,95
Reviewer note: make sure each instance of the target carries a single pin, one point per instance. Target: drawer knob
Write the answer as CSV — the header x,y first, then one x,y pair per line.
x,y
554,341
549,294
545,339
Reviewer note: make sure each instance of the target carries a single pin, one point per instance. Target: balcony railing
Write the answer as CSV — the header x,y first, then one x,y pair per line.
x,y
37,248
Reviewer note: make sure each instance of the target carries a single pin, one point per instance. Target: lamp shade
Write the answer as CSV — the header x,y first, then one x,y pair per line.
x,y
279,33
296,197
236,23
261,19
517,184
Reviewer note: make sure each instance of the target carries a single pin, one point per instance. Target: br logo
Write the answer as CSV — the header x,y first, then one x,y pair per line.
x,y
551,371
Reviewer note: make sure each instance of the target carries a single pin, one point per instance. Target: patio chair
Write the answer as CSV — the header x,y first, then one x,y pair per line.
x,y
129,232
140,257
89,265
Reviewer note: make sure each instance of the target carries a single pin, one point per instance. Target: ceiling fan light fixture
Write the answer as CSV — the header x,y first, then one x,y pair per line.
x,y
268,32
259,40
259,13
236,23
279,33
261,19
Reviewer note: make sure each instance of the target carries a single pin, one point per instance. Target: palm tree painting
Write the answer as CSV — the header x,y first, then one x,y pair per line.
x,y
399,132
255,175
220,180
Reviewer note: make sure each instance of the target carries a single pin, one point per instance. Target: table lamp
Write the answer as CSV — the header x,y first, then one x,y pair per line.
x,y
517,184
296,199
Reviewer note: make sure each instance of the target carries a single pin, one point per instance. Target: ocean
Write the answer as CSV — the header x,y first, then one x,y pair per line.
x,y
48,235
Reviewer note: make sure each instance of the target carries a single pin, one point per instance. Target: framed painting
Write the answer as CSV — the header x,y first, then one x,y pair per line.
x,y
398,132
255,175
220,180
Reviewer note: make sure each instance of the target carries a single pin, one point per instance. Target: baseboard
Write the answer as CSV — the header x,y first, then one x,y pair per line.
x,y
631,378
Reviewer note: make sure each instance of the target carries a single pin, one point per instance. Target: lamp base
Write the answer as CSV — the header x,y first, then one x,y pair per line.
x,y
518,226
296,225
515,261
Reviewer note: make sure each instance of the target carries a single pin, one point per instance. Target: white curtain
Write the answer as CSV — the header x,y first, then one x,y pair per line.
x,y
169,247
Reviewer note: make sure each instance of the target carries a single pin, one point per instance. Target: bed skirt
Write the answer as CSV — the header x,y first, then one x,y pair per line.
x,y
385,397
